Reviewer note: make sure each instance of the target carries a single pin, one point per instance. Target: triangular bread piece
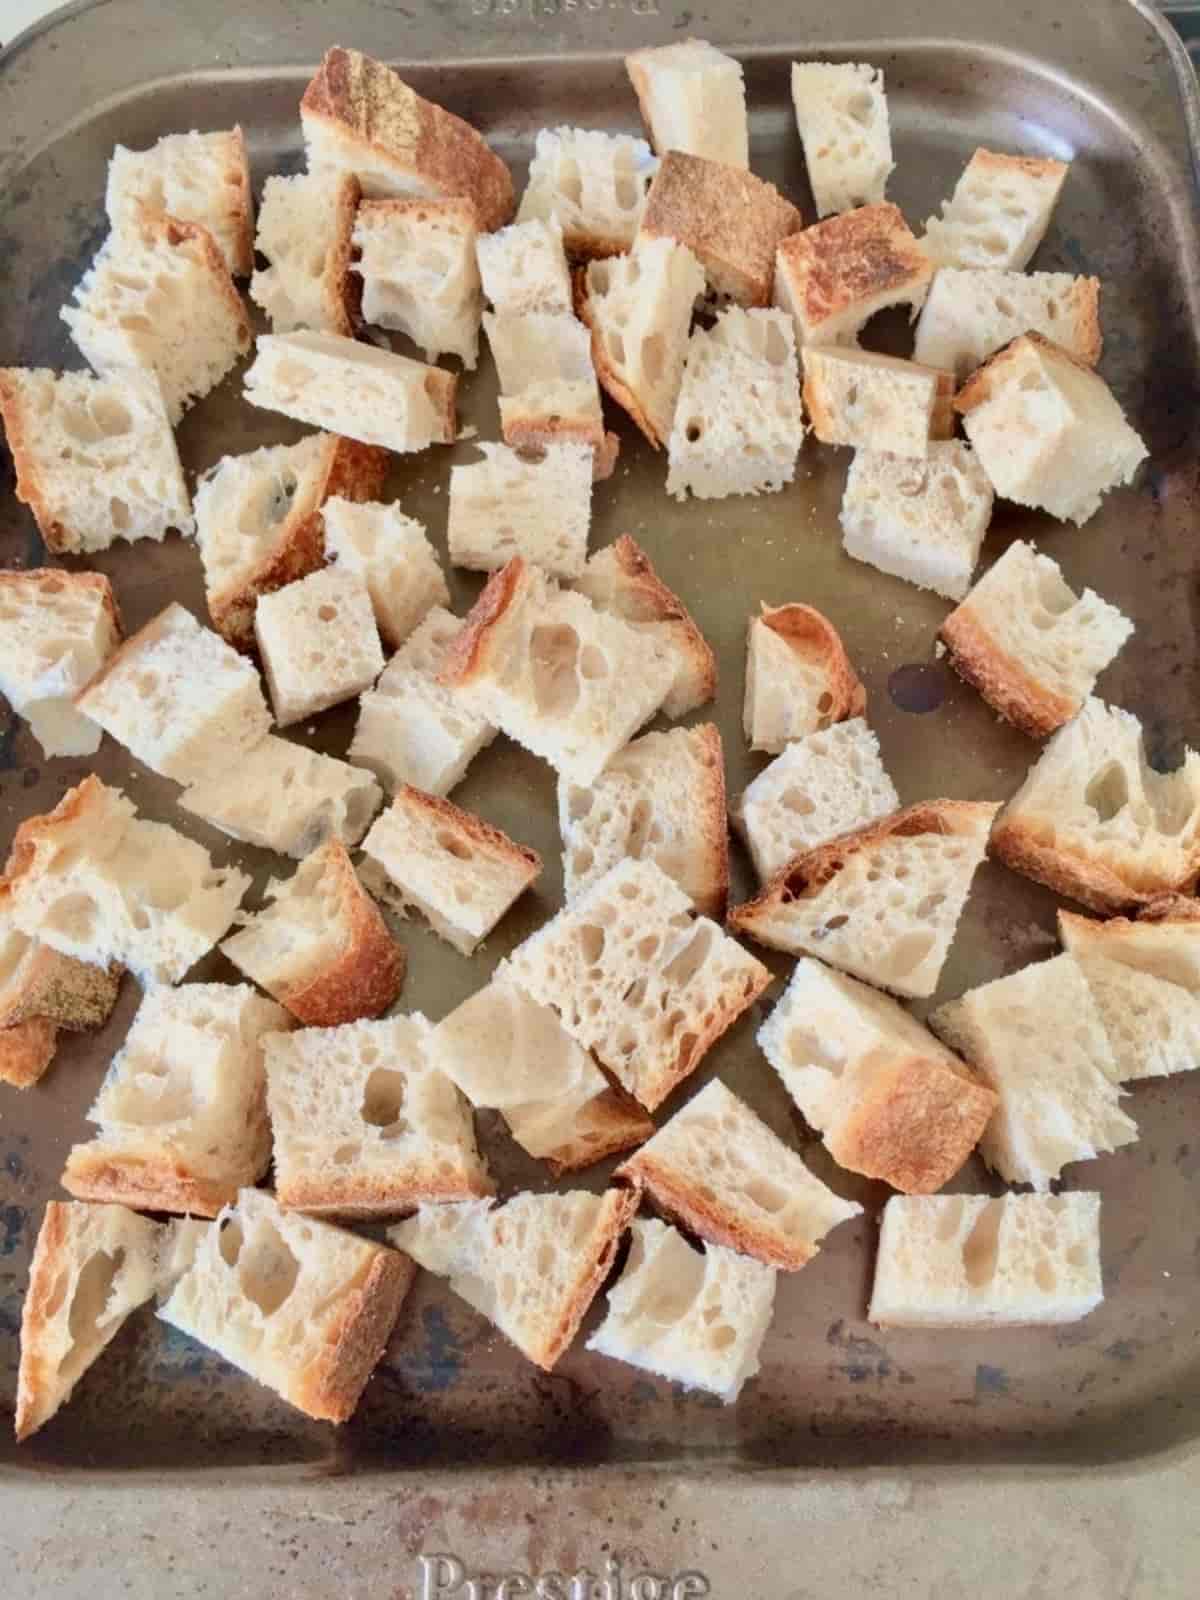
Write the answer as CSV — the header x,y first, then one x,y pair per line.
x,y
798,677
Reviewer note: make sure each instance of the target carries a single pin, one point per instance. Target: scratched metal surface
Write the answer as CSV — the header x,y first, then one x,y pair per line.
x,y
450,1392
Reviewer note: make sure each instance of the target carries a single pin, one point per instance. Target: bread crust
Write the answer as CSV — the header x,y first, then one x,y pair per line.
x,y
652,601
76,804
442,389
1022,849
468,825
43,577
103,1173
34,1376
824,418
363,1197
63,990
466,656
1003,682
341,290
331,1385
533,430
851,260
607,1125
815,639
1169,908
992,161
728,1009
237,181
713,805
26,1050
984,382
606,370
176,233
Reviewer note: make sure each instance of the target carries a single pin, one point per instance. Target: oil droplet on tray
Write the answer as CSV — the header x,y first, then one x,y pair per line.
x,y
918,687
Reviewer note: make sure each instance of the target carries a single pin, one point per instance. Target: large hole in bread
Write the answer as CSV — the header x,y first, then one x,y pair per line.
x,y
907,954
981,1247
686,963
92,1289
453,845
654,357
267,1269
949,1220
383,1098
628,191
797,802
1052,595
1108,791
807,1048
775,346
554,654
570,184
73,918
230,1239
766,1195
591,942
859,107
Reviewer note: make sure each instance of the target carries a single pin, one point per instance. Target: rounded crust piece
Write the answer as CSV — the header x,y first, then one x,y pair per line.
x,y
359,1199
196,239
618,1209
466,654
367,974
1002,681
34,1380
94,1172
651,601
814,638
606,370
474,827
330,1387
1020,847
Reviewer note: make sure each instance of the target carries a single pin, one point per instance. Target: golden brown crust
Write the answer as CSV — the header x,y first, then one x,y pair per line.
x,y
53,580
825,419
607,372
372,110
26,1050
997,370
852,260
1168,908
36,1376
607,1125
237,181
466,657
1085,303
442,388
533,430
1003,681
197,241
331,1385
342,287
993,162
1022,848
617,1212
713,807
815,639
34,831
105,1174
360,1196
60,989
467,825
695,1045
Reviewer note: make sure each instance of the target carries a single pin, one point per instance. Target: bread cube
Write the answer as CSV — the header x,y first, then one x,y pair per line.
x,y
873,402
26,1050
506,505
419,275
696,1317
318,641
833,278
305,224
692,98
799,678
1048,431
548,388
39,981
842,114
159,296
365,1124
738,424
523,269
95,458
998,213
179,699
721,1172
593,185
197,177
461,874
969,315
393,556
57,629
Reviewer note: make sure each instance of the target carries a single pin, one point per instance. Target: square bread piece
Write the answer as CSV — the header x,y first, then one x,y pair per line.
x,y
538,506
549,392
260,522
318,642
823,784
321,947
532,1266
661,799
354,389
621,579
799,678
873,402
365,1125
302,1307
97,882
920,520
411,728
750,446
158,295
57,629
428,855
305,225
638,979
1030,645
842,116
698,1317
1048,431
718,1170
287,798
92,1266
891,1101
507,1053
882,902
692,98
570,683
832,278
998,213
964,1261
182,1112
1037,1039
358,115
179,699
523,269
593,185
419,275
392,554
969,315
730,220
197,177
1095,822
95,458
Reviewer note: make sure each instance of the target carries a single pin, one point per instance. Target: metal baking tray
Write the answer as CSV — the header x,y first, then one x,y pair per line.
x,y
1101,84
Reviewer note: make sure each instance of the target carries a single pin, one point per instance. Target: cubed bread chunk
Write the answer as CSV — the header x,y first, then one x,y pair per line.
x,y
964,1261
182,1111
842,116
661,799
359,116
532,1266
637,978
971,314
718,1170
428,855
738,423
832,278
1048,431
823,784
698,1317
523,269
95,458
548,387
197,177
365,1125
537,506
97,882
393,556
57,629
1094,820
1030,645
305,228
179,699
882,902
1036,1038
159,296
318,641
321,947
419,275
998,213
302,1307
799,678
692,98
889,1099
26,1050
38,981
920,520
874,402
592,184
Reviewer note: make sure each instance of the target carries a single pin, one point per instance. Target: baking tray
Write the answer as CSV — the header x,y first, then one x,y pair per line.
x,y
1100,83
